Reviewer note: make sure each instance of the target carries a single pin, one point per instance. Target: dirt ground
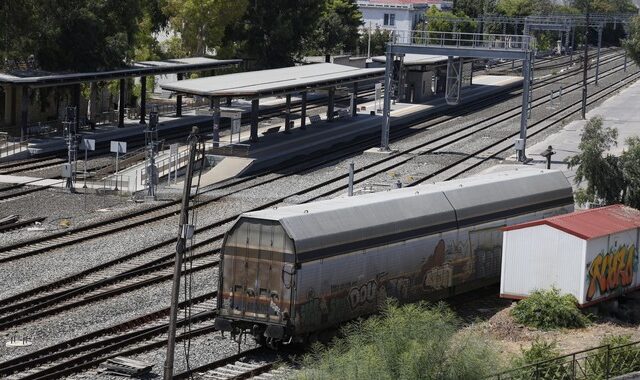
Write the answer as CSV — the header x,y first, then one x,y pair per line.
x,y
510,337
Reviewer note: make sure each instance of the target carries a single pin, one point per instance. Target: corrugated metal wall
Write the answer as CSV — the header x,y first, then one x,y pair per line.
x,y
540,257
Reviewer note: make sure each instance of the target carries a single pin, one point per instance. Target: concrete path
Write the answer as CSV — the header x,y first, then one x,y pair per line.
x,y
620,112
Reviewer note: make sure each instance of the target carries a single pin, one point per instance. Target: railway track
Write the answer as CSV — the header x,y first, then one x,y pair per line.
x,y
34,304
57,240
594,97
244,365
137,335
434,146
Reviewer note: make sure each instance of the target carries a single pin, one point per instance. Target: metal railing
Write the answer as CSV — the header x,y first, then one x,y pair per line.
x,y
10,145
168,163
597,363
124,161
510,42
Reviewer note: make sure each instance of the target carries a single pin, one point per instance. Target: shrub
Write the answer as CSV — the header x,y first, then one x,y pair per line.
x,y
540,352
415,341
548,309
623,357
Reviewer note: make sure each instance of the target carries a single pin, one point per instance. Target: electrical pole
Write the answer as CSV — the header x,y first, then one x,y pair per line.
x,y
586,63
185,231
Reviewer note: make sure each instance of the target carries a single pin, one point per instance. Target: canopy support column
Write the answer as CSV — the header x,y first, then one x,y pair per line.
x,y
8,95
287,114
354,100
24,113
179,99
303,110
215,137
255,108
121,104
330,104
143,100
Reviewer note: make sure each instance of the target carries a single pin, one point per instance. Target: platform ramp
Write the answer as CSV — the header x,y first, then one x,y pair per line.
x,y
227,168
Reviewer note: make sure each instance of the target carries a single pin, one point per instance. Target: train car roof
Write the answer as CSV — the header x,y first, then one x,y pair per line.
x,y
350,221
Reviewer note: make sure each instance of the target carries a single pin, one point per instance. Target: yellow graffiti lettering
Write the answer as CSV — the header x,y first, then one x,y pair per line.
x,y
607,272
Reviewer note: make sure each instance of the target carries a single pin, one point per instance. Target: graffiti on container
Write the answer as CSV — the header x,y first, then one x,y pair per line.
x,y
365,293
611,270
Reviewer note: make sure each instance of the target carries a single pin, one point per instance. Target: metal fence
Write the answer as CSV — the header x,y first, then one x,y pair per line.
x,y
513,42
597,363
10,145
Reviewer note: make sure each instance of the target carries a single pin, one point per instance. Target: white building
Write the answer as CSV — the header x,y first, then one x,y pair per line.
x,y
591,254
397,14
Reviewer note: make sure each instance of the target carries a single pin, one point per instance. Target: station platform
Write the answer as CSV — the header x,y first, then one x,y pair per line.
x,y
134,131
320,134
615,113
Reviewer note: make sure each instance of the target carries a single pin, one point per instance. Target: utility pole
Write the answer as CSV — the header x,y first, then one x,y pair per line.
x,y
185,231
369,42
586,63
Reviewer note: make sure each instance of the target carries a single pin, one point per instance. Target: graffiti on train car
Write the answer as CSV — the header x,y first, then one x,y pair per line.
x,y
365,293
611,270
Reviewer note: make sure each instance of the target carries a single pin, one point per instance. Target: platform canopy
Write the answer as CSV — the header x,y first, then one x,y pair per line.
x,y
416,59
137,69
275,81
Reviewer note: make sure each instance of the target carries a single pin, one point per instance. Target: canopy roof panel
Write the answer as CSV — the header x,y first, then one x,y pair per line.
x,y
274,81
137,69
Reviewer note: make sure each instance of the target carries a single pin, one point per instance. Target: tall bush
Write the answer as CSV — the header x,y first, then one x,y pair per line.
x,y
415,341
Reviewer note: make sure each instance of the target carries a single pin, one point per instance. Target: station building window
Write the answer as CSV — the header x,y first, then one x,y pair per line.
x,y
389,19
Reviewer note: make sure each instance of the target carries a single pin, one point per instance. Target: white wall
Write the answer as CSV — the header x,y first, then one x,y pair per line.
x,y
540,257
375,16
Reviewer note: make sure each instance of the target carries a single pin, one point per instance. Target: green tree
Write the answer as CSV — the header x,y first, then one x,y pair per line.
x,y
602,171
632,42
522,8
439,21
272,33
630,164
201,23
337,28
474,8
379,39
79,35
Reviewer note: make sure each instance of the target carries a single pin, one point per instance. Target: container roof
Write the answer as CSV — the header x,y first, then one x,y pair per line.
x,y
346,221
274,81
590,224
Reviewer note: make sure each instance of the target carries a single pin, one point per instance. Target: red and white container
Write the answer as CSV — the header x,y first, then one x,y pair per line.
x,y
591,254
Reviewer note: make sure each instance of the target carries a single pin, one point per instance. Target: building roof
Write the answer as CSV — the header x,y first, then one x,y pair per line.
x,y
433,207
590,224
137,69
274,81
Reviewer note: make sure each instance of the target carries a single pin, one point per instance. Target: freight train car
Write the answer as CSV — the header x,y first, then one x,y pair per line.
x,y
290,272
